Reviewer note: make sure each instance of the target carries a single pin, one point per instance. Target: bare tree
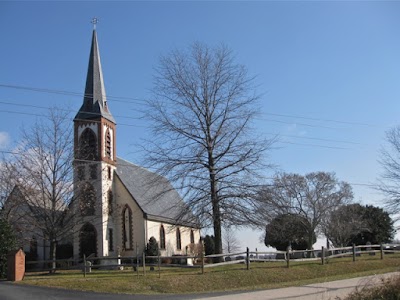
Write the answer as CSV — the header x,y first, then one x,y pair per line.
x,y
230,242
343,224
390,179
44,188
313,196
201,117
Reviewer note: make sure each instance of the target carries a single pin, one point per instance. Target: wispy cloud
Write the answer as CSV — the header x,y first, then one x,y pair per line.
x,y
4,139
296,130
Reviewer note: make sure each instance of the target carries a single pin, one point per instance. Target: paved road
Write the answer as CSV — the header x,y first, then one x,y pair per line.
x,y
317,291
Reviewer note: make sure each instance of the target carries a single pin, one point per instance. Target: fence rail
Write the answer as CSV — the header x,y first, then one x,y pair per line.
x,y
202,261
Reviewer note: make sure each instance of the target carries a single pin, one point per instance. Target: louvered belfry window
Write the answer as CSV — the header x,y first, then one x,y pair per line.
x,y
108,143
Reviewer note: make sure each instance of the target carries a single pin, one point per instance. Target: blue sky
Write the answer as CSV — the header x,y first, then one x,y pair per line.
x,y
328,71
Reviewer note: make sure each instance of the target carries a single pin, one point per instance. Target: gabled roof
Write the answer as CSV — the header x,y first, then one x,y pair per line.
x,y
95,101
154,194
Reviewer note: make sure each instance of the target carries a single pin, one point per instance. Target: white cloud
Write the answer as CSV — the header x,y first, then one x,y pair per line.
x,y
4,139
293,129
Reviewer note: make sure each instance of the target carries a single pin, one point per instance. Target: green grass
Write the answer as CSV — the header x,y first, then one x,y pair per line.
x,y
228,278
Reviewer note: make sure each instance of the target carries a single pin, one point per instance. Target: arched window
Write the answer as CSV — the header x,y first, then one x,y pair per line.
x,y
108,143
88,145
178,239
87,240
110,202
127,235
162,237
191,236
87,200
110,239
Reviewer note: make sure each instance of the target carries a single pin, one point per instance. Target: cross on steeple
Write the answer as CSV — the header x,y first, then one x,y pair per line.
x,y
94,22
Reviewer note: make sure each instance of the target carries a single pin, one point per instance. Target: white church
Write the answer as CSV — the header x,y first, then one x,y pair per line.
x,y
119,206
124,204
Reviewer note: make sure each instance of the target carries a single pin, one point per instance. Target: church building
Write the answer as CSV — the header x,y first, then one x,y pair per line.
x,y
122,205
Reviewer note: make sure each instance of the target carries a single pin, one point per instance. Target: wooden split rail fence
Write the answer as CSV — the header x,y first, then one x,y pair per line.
x,y
140,262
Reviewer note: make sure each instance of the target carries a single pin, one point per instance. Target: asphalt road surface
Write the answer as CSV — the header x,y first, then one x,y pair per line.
x,y
317,291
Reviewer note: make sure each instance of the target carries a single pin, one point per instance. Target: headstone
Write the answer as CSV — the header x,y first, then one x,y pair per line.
x,y
88,266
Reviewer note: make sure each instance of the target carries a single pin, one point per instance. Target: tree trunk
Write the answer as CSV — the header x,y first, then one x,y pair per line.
x,y
217,232
53,252
216,216
310,244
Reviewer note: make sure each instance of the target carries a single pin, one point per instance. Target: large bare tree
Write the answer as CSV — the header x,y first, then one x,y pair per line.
x,y
202,111
390,179
313,196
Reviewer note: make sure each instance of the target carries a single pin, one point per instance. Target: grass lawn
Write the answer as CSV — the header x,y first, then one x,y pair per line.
x,y
227,278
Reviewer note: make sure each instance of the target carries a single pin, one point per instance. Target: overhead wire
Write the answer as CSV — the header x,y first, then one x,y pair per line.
x,y
142,126
130,164
136,100
143,101
69,93
315,138
67,110
43,115
318,119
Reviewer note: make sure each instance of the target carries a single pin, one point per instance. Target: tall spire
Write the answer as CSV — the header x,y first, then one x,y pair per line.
x,y
95,101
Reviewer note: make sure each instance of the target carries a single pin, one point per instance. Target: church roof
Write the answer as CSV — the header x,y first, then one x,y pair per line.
x,y
154,194
95,101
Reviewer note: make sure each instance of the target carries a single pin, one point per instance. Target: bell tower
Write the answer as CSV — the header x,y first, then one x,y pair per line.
x,y
94,164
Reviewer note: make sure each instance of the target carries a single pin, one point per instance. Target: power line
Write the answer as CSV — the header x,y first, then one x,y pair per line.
x,y
141,126
42,115
302,124
131,100
130,164
138,118
76,94
67,110
315,138
318,119
318,146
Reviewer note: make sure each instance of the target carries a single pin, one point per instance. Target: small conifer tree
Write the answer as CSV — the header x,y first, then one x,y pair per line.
x,y
7,244
152,249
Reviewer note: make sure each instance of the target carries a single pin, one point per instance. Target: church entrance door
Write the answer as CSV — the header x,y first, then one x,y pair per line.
x,y
87,240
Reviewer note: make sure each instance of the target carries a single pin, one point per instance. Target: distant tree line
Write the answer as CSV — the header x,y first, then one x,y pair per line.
x,y
298,208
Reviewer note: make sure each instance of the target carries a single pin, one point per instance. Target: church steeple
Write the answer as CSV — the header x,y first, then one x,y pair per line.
x,y
95,101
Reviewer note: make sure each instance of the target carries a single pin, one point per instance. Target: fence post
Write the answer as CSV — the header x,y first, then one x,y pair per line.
x,y
84,265
381,251
144,264
288,256
137,260
247,259
323,255
202,257
354,252
159,265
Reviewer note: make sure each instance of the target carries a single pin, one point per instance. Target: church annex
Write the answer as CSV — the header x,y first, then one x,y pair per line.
x,y
122,204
